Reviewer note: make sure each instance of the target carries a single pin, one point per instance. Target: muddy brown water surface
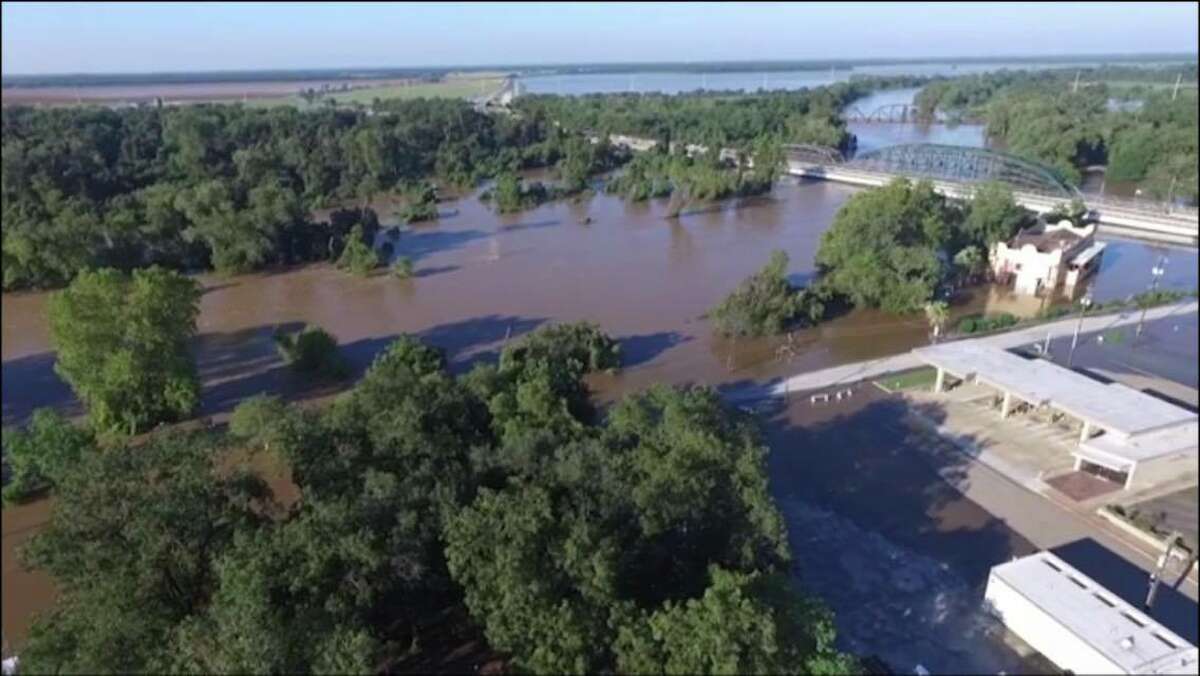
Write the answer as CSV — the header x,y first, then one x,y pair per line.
x,y
481,279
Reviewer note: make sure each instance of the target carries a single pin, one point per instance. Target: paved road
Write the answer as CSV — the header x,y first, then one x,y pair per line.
x,y
897,533
849,373
1049,523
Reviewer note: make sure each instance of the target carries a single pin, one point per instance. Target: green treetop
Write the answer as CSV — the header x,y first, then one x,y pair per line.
x,y
122,343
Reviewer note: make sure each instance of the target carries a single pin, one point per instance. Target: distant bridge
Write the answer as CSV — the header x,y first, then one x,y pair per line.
x,y
892,113
899,113
956,170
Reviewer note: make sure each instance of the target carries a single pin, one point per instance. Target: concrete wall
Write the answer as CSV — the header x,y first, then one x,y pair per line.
x,y
1043,632
1168,468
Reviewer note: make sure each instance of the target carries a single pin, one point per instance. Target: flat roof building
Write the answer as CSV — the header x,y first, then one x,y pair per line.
x,y
1078,624
1123,430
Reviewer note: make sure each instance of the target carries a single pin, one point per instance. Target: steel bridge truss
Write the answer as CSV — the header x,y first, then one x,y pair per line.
x,y
964,165
895,112
813,154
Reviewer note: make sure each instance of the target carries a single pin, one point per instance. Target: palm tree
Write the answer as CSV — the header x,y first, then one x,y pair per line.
x,y
938,313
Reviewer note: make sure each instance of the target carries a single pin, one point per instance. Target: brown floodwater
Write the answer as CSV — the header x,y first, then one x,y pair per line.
x,y
481,279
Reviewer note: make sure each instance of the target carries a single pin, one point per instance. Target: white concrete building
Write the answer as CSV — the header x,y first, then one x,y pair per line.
x,y
1079,625
1043,258
1140,439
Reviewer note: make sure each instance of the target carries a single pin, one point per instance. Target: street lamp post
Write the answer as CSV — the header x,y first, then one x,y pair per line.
x,y
1159,269
1084,303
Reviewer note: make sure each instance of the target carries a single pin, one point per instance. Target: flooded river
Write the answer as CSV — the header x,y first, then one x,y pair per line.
x,y
677,82
482,278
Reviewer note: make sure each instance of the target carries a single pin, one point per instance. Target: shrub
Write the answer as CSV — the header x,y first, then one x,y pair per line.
x,y
402,268
1148,299
422,204
764,303
358,257
580,346
312,351
986,323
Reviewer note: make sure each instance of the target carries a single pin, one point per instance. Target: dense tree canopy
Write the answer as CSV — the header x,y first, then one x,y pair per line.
x,y
892,247
225,186
122,345
37,455
647,541
714,119
698,177
1044,116
233,188
582,553
130,545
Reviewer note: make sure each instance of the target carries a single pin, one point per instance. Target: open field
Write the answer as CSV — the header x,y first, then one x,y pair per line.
x,y
457,88
267,93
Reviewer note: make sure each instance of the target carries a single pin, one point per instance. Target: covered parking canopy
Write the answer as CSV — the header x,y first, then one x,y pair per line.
x,y
1118,410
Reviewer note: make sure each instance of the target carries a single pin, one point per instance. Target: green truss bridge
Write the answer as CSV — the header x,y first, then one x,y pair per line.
x,y
956,170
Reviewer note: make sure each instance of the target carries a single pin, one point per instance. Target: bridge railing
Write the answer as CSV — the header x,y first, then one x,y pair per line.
x,y
1140,204
1092,200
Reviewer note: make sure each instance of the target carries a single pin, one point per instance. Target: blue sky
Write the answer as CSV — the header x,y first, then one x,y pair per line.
x,y
139,37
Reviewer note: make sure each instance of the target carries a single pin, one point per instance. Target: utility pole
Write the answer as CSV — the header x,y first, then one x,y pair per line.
x,y
1075,87
1159,269
1175,91
1156,576
1084,303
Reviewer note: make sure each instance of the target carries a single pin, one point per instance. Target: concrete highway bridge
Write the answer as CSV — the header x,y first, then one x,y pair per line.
x,y
956,170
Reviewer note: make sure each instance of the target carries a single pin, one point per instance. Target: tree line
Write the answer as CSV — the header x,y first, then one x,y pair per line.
x,y
715,119
642,540
233,188
1043,116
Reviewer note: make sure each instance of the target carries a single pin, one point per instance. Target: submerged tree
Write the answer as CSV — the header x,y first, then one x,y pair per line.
x,y
938,313
885,246
122,345
422,203
312,351
358,256
763,304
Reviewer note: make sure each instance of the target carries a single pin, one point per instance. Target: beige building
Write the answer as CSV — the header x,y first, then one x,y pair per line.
x,y
1043,258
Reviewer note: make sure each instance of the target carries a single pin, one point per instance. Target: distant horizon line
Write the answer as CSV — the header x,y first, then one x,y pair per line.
x,y
345,70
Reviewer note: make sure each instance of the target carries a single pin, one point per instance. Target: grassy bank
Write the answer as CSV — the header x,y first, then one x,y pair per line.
x,y
921,378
